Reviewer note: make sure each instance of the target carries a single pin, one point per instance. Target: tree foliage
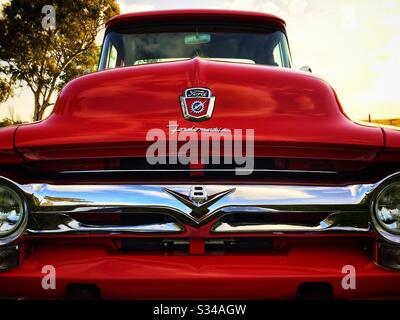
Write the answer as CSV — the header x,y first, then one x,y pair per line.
x,y
5,90
45,60
6,122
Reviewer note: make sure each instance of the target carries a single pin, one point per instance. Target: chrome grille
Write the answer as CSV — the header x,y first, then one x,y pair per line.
x,y
54,208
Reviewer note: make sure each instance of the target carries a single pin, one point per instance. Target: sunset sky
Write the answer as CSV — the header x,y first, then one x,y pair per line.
x,y
352,44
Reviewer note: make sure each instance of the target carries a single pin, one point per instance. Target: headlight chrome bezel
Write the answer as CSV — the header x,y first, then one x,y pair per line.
x,y
388,234
22,224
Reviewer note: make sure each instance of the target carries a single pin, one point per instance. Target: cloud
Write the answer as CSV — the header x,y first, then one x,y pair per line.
x,y
278,7
392,21
385,64
128,6
255,5
388,4
296,7
349,17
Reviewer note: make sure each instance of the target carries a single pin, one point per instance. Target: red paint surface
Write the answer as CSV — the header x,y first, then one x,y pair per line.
x,y
109,113
125,276
7,151
392,138
190,15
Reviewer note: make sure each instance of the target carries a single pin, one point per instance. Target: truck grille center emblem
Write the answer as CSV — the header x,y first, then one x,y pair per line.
x,y
197,104
198,195
198,200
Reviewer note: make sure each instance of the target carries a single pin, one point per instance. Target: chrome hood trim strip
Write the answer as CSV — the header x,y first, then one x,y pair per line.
x,y
199,170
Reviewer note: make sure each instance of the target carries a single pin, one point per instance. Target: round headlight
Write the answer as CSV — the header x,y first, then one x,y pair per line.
x,y
12,214
387,208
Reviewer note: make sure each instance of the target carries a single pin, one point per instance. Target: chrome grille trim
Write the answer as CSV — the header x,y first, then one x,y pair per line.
x,y
48,197
55,223
199,170
223,227
51,206
345,208
353,222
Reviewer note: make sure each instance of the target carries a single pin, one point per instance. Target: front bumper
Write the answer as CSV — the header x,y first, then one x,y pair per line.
x,y
127,276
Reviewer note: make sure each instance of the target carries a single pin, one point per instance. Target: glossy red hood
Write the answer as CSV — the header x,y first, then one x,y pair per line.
x,y
110,112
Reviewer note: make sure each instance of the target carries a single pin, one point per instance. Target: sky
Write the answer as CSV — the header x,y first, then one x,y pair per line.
x,y
352,44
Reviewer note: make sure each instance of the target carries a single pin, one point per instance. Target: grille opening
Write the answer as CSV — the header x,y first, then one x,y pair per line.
x,y
238,246
315,291
181,246
161,246
293,218
82,291
120,218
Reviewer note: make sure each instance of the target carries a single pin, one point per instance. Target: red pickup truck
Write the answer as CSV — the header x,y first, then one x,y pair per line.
x,y
106,196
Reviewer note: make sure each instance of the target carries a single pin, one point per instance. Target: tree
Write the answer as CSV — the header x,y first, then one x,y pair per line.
x,y
45,60
6,122
6,88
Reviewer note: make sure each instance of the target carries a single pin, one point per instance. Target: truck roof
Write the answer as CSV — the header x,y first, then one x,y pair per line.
x,y
222,15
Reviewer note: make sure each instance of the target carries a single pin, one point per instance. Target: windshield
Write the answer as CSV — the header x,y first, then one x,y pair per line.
x,y
128,48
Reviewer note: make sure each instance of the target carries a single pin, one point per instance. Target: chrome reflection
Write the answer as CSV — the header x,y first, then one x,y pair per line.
x,y
54,203
353,222
52,207
50,197
53,223
46,195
